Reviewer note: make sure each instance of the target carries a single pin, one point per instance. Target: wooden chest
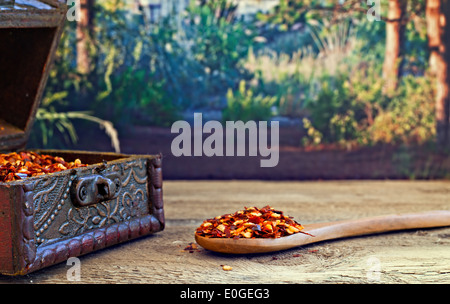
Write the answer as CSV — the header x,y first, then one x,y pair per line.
x,y
46,219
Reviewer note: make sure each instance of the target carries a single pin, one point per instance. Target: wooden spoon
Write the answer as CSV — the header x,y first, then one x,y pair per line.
x,y
328,231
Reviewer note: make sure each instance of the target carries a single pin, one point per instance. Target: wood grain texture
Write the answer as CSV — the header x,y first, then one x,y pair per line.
x,y
6,229
415,256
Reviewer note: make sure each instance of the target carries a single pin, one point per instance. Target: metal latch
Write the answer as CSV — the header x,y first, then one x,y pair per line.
x,y
93,189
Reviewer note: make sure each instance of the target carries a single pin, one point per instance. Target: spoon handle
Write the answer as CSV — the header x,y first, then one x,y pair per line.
x,y
379,224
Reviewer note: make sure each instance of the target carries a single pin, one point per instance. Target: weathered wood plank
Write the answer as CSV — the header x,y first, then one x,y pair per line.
x,y
420,256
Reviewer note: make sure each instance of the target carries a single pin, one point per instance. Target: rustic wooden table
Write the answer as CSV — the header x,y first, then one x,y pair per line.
x,y
419,256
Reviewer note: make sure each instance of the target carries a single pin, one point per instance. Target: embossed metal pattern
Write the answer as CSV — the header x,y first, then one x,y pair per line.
x,y
56,217
138,211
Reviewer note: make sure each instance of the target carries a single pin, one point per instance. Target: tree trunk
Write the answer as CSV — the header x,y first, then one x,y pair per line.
x,y
434,32
394,39
84,34
442,66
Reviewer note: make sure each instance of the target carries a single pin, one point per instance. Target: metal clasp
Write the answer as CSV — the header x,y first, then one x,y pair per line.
x,y
93,189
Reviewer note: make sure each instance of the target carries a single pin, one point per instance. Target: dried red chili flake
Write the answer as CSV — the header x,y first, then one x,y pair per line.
x,y
191,247
20,165
252,222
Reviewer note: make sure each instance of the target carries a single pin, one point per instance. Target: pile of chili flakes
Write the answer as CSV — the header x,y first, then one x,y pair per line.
x,y
252,222
19,165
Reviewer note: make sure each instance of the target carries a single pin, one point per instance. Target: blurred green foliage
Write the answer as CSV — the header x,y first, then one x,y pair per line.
x,y
218,43
245,105
351,109
302,63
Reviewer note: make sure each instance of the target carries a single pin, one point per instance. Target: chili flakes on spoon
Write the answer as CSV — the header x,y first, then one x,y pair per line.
x,y
252,222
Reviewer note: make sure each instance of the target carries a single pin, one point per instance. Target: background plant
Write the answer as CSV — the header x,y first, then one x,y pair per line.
x,y
318,66
244,105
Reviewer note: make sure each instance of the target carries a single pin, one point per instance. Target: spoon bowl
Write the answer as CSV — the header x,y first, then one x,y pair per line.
x,y
328,231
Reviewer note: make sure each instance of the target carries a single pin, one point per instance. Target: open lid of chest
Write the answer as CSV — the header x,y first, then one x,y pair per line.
x,y
29,34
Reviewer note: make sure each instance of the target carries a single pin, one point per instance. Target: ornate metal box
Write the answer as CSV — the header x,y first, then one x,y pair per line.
x,y
46,219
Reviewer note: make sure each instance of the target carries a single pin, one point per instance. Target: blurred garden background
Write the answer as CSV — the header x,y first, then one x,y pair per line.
x,y
361,90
